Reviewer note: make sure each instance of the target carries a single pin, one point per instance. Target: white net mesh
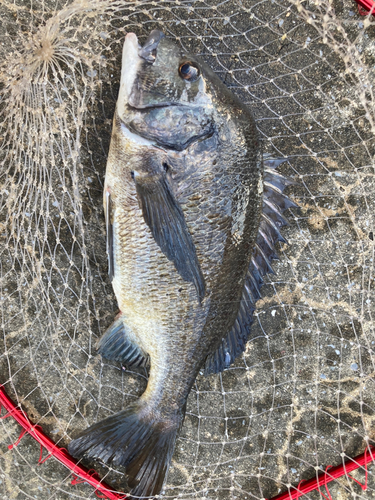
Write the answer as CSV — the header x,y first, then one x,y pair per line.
x,y
302,396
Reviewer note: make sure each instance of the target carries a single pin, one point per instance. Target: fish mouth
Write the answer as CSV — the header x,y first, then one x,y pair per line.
x,y
133,56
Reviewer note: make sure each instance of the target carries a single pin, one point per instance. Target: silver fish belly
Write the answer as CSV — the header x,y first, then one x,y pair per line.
x,y
192,221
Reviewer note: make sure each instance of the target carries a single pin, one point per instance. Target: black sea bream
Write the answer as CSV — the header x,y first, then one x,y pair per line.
x,y
193,213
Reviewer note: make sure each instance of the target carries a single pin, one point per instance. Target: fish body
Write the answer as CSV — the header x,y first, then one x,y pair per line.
x,y
213,184
183,202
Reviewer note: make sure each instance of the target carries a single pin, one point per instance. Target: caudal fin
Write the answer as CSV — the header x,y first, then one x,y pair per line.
x,y
134,439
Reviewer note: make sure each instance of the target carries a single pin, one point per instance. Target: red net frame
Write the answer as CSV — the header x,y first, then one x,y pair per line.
x,y
366,7
80,473
330,474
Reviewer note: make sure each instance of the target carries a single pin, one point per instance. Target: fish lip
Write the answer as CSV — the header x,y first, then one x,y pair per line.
x,y
129,67
148,51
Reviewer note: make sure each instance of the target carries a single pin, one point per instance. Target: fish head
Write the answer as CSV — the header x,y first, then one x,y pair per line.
x,y
163,93
159,73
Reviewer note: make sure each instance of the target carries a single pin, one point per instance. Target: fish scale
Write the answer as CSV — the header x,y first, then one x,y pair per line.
x,y
142,280
190,237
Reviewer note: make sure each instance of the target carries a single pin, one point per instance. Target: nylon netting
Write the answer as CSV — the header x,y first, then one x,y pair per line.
x,y
302,396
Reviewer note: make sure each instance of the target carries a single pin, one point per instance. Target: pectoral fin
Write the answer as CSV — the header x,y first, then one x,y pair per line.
x,y
164,216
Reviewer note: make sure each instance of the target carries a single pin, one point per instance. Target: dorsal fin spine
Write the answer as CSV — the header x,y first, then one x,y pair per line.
x,y
268,263
279,236
273,207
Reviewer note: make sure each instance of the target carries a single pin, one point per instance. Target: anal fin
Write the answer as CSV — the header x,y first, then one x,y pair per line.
x,y
118,344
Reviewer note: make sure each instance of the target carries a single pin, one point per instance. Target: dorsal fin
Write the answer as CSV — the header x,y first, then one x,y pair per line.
x,y
274,204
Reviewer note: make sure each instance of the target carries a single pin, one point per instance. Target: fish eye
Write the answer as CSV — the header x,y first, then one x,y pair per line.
x,y
188,71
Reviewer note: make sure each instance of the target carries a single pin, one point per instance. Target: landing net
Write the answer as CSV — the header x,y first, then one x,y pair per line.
x,y
302,397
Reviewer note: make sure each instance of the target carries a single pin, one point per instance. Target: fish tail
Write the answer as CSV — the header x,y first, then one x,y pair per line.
x,y
136,439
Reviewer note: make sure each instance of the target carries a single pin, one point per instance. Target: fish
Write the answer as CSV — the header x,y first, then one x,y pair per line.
x,y
193,212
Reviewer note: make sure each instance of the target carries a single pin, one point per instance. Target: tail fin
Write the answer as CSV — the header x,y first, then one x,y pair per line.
x,y
134,439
